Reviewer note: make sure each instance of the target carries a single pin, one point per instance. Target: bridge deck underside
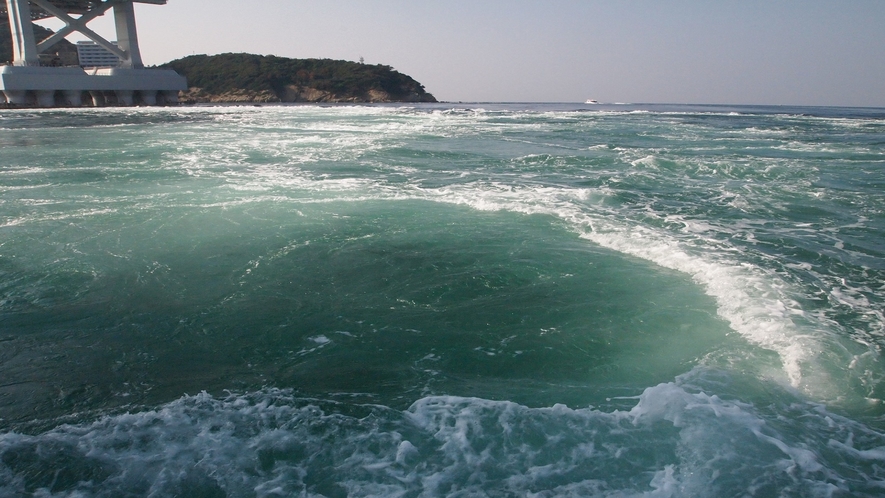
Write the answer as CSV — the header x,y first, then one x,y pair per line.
x,y
71,7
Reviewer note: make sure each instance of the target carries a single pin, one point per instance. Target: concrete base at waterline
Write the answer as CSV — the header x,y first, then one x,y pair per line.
x,y
34,86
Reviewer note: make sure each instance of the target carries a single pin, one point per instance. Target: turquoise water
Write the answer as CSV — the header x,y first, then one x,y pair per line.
x,y
442,300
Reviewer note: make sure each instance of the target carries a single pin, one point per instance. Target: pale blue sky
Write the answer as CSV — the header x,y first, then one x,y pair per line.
x,y
804,52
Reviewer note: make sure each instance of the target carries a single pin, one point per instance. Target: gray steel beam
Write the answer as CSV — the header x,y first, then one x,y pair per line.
x,y
24,47
127,39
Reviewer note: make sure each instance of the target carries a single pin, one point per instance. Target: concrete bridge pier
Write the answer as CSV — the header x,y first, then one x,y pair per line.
x,y
45,98
125,97
16,97
73,98
148,98
98,99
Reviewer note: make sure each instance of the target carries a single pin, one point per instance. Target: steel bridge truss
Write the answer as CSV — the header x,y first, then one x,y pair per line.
x,y
26,49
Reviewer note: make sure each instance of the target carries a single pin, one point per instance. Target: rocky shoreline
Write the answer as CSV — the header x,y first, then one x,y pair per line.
x,y
292,94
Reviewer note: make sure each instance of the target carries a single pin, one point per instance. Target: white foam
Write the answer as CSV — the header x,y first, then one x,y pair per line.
x,y
676,440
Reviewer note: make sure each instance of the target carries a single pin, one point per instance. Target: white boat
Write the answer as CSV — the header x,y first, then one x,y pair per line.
x,y
591,101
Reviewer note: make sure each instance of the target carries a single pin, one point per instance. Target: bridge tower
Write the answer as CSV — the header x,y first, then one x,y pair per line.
x,y
28,83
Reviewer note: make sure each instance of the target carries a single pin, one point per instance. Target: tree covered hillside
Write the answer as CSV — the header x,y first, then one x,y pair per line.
x,y
248,77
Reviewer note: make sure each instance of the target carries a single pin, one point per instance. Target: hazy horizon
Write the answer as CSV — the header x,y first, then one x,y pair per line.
x,y
783,53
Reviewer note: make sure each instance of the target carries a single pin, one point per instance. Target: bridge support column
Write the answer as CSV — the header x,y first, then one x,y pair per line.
x,y
148,97
125,97
127,39
45,98
98,99
74,98
16,97
24,47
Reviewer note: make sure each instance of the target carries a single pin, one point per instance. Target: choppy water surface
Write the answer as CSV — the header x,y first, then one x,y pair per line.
x,y
484,300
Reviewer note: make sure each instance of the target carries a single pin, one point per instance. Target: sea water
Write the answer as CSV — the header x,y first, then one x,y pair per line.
x,y
442,300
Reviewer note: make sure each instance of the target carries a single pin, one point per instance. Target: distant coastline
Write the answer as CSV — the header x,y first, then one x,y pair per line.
x,y
249,78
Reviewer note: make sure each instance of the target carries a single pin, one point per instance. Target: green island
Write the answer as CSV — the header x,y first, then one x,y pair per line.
x,y
267,78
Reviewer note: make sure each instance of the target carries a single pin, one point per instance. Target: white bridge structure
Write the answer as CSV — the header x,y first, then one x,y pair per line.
x,y
26,83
